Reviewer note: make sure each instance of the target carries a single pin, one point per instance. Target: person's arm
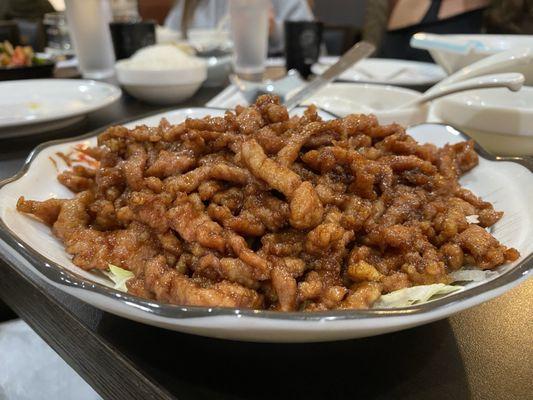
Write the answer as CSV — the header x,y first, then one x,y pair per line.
x,y
173,19
376,18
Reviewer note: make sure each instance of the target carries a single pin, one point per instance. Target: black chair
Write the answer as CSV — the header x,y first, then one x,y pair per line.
x,y
9,31
31,33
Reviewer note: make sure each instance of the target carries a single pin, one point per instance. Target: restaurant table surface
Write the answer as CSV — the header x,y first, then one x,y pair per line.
x,y
483,353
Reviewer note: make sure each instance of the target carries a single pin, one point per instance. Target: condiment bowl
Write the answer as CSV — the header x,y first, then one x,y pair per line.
x,y
342,99
500,120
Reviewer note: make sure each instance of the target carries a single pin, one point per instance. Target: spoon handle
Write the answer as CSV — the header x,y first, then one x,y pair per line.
x,y
511,80
433,41
502,62
358,52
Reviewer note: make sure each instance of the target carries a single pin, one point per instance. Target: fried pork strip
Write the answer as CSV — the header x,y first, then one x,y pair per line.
x,y
257,209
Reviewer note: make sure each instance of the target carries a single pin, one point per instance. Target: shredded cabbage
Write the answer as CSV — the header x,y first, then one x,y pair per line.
x,y
472,219
472,275
119,276
423,293
414,295
399,298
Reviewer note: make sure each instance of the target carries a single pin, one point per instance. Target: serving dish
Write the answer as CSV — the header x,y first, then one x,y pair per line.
x,y
386,71
39,105
500,120
30,244
21,62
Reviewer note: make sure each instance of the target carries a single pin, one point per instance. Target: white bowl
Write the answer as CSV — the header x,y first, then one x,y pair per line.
x,y
164,35
353,98
218,70
452,62
500,120
201,38
163,86
219,67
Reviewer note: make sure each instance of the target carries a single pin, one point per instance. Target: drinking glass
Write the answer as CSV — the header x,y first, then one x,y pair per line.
x,y
57,34
88,22
249,31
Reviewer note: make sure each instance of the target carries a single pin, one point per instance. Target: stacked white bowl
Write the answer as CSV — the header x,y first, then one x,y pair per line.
x,y
500,120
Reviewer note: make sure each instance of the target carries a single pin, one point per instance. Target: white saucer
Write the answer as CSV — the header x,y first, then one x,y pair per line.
x,y
38,105
386,71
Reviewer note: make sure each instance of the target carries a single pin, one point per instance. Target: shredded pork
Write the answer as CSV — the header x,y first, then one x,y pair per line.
x,y
260,210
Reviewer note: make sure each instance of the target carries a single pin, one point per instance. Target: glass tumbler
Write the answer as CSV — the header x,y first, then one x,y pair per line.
x,y
249,31
88,22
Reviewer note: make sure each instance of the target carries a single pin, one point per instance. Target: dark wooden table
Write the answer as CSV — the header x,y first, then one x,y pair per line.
x,y
483,353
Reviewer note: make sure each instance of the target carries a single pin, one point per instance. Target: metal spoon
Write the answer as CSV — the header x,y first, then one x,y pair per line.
x,y
357,53
512,81
290,83
280,87
505,61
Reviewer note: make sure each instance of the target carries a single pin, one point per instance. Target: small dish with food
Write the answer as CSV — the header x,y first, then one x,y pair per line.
x,y
21,62
161,74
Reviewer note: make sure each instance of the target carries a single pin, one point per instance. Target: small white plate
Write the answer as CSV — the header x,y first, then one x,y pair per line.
x,y
343,98
386,71
37,105
31,245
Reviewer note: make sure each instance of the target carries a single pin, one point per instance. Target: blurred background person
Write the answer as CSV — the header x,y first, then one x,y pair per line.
x,y
187,14
21,22
390,23
510,16
26,9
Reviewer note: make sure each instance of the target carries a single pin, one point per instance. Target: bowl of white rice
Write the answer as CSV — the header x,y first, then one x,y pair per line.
x,y
161,74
